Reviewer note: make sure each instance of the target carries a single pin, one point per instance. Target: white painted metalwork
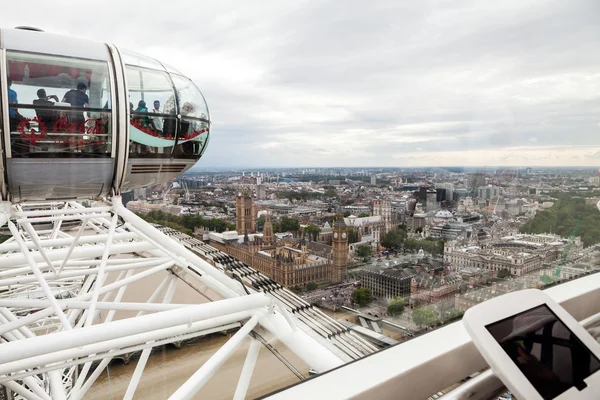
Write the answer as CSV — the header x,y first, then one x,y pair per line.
x,y
55,279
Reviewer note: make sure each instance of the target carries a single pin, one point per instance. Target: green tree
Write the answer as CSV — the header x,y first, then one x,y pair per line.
x,y
363,215
347,214
260,223
395,306
312,231
564,216
276,226
503,273
393,239
389,240
425,316
311,286
352,236
288,224
362,297
429,245
363,251
453,313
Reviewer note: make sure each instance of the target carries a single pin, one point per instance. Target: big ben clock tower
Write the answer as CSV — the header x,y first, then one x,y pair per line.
x,y
340,249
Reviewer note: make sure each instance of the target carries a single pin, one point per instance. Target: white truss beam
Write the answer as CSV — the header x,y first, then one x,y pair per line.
x,y
73,340
189,389
38,274
247,370
101,272
141,364
65,263
56,385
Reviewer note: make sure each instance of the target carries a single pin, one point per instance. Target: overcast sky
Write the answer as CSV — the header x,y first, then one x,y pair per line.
x,y
369,83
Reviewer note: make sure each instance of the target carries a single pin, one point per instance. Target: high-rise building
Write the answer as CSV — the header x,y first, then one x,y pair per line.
x,y
261,192
488,192
373,180
474,181
431,203
460,193
244,208
340,249
449,189
440,195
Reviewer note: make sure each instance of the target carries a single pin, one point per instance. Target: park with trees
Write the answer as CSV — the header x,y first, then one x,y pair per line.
x,y
186,223
398,238
567,213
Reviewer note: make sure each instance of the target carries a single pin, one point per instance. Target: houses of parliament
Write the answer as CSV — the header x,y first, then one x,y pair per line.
x,y
289,261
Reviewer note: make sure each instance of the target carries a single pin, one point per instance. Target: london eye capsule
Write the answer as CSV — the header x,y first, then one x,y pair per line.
x,y
81,119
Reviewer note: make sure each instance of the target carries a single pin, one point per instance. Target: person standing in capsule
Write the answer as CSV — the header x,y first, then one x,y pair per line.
x,y
77,98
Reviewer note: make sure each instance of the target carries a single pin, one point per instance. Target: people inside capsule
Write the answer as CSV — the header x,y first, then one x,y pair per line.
x,y
12,98
46,116
158,123
188,127
77,98
13,113
15,119
145,123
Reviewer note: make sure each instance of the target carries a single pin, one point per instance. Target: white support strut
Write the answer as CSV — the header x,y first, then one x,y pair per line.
x,y
247,370
66,263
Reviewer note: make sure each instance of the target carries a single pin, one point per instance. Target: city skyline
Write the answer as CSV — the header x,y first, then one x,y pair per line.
x,y
387,84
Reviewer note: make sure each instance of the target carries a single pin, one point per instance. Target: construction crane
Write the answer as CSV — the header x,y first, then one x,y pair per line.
x,y
547,279
497,200
566,251
169,187
187,191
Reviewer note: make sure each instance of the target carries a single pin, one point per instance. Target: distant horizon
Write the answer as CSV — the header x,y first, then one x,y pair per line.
x,y
469,167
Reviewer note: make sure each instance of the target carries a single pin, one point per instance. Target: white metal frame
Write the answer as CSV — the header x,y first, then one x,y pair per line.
x,y
53,281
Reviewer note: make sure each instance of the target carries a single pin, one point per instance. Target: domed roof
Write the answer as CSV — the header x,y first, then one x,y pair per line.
x,y
444,214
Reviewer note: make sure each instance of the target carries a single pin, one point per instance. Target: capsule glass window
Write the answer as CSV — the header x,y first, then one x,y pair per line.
x,y
153,121
194,124
58,106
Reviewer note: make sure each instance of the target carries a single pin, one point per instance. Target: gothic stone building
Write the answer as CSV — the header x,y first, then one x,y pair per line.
x,y
244,212
289,262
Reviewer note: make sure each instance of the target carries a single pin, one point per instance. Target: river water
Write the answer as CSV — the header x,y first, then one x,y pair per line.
x,y
169,368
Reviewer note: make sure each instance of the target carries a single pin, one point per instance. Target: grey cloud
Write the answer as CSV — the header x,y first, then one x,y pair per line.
x,y
375,83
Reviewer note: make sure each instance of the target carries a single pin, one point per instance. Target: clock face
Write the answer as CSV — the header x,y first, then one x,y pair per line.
x,y
335,235
344,235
